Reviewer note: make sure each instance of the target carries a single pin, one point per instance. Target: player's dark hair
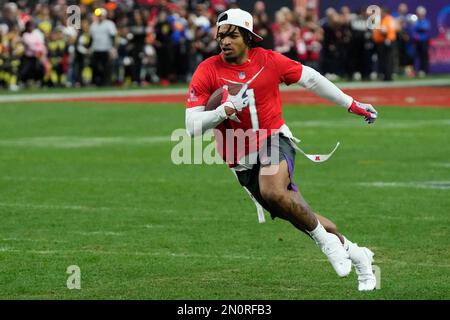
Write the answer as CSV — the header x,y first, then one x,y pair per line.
x,y
246,35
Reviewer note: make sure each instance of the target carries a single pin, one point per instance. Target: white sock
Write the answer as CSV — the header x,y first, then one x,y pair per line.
x,y
350,247
347,243
319,234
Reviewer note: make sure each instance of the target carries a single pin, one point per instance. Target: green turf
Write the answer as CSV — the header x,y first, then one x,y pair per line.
x,y
84,185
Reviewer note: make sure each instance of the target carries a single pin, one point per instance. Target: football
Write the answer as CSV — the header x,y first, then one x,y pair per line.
x,y
216,97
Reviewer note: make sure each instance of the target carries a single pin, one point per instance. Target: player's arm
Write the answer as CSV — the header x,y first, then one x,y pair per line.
x,y
198,120
321,86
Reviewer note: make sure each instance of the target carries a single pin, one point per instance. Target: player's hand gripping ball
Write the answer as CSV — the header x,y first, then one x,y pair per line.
x,y
234,93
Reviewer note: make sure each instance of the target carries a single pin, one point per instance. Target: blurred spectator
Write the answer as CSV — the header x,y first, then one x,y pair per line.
x,y
80,61
203,36
261,25
34,64
163,47
406,50
361,47
138,31
218,6
43,20
309,40
202,33
180,44
57,55
285,33
11,52
123,64
103,33
421,38
149,60
345,42
331,56
384,38
10,16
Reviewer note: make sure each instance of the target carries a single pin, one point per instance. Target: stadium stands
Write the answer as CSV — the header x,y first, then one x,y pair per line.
x,y
163,41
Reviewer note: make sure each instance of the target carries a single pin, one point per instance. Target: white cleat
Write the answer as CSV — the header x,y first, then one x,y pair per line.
x,y
362,258
337,255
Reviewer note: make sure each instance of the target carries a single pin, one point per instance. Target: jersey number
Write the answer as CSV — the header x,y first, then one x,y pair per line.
x,y
252,108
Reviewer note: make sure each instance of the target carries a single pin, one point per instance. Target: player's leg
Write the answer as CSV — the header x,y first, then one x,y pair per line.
x,y
325,222
361,257
330,226
279,182
274,190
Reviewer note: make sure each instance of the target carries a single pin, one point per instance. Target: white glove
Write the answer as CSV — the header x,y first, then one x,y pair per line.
x,y
364,109
223,114
240,100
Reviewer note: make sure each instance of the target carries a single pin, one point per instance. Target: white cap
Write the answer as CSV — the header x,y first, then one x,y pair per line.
x,y
240,18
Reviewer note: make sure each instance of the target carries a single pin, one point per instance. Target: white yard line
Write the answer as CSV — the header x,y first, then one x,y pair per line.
x,y
442,164
419,218
159,254
200,256
385,124
32,240
444,185
139,179
57,207
73,142
32,206
68,142
97,233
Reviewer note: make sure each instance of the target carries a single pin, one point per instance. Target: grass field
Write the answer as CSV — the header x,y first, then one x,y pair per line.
x,y
93,185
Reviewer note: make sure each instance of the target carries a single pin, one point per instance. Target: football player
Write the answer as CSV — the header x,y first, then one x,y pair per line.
x,y
257,108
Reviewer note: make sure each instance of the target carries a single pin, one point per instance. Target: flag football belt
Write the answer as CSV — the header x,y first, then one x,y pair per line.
x,y
317,158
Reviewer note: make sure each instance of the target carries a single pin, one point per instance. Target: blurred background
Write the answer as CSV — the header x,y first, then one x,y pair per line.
x,y
143,42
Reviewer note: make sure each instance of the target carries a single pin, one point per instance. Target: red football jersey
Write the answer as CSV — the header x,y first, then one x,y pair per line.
x,y
263,72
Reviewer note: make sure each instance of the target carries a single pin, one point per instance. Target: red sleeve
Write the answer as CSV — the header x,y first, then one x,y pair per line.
x,y
200,87
290,70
